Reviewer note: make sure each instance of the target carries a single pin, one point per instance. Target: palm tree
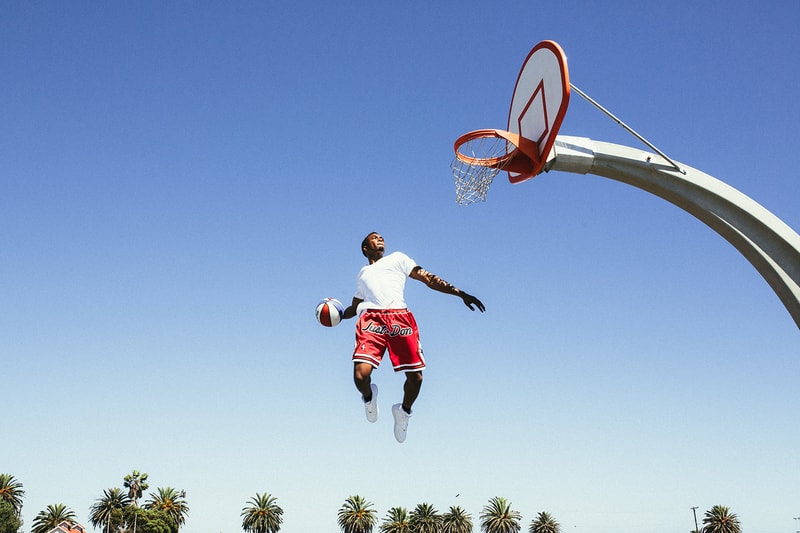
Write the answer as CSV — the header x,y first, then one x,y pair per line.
x,y
51,517
544,523
498,517
425,519
136,483
172,502
357,515
396,521
721,520
262,515
456,520
11,492
103,509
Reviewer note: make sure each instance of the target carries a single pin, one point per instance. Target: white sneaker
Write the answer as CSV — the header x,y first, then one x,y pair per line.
x,y
371,407
400,422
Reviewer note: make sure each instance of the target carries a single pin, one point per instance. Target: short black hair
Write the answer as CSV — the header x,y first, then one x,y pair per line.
x,y
364,242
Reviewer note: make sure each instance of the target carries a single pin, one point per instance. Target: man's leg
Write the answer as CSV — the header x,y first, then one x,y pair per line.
x,y
362,379
402,411
411,389
368,390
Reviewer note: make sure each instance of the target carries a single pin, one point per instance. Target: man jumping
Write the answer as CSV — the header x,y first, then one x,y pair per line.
x,y
385,322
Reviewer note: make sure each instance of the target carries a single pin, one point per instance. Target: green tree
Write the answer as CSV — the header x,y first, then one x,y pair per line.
x,y
117,522
106,512
719,519
544,523
11,492
51,517
149,521
396,521
498,517
425,519
9,521
262,515
456,520
136,483
357,515
172,502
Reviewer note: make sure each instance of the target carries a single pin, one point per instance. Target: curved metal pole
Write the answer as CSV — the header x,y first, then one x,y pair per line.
x,y
771,246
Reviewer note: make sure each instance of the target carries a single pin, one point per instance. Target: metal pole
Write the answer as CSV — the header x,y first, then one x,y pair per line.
x,y
627,128
694,512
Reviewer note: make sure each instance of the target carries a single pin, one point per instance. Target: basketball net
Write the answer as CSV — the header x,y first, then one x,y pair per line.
x,y
482,154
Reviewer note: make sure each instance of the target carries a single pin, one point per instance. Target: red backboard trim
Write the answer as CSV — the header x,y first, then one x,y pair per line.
x,y
548,137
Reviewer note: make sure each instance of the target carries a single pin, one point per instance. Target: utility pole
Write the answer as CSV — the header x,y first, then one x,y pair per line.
x,y
694,512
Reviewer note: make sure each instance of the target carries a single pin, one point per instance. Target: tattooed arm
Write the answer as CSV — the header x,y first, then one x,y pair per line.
x,y
438,284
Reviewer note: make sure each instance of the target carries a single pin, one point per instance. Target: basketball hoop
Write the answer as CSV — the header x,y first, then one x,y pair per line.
x,y
482,154
538,105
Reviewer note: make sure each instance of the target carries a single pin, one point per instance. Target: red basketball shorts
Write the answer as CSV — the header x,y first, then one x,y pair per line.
x,y
395,329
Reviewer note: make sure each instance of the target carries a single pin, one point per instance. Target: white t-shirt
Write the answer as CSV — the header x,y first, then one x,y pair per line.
x,y
382,284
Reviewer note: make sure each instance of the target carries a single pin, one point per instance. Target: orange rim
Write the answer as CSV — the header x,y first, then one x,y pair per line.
x,y
522,159
525,146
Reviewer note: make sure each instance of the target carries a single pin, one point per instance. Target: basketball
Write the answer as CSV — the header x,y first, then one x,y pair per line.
x,y
329,312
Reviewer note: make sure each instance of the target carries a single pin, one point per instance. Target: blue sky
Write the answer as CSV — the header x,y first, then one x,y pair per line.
x,y
180,183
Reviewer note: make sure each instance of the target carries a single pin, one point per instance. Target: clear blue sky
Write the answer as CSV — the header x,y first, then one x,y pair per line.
x,y
180,183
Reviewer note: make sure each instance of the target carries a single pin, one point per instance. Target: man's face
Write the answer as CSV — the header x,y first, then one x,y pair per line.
x,y
373,248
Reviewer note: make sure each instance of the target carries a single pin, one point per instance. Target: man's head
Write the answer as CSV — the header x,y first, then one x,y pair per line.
x,y
372,246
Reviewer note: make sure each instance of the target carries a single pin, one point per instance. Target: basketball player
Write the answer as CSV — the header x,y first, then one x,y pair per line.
x,y
384,322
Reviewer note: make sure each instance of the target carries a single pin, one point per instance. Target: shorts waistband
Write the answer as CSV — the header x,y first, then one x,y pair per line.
x,y
386,311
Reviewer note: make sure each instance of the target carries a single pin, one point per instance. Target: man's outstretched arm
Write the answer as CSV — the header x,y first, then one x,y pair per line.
x,y
438,284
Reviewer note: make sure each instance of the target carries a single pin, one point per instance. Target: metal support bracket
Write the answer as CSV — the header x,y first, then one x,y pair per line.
x,y
771,246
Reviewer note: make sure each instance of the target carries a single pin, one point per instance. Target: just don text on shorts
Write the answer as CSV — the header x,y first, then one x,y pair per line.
x,y
395,329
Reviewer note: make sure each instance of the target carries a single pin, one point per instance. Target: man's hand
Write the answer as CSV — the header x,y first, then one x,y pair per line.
x,y
470,300
350,312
